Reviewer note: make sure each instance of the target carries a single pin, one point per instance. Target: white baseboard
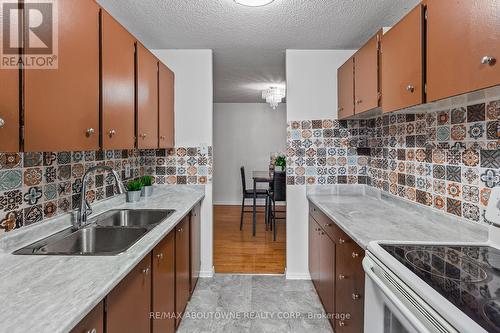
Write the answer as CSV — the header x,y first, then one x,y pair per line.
x,y
298,276
207,274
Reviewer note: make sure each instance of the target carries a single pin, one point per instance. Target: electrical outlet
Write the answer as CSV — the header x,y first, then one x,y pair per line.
x,y
127,171
493,209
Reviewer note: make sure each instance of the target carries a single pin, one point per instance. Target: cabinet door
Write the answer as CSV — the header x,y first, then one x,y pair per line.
x,y
195,246
9,110
181,266
349,287
366,76
118,85
164,283
345,86
460,33
147,99
93,322
314,246
166,116
402,63
129,303
61,106
327,272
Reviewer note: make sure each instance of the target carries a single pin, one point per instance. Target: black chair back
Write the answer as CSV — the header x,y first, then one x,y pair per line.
x,y
243,180
279,185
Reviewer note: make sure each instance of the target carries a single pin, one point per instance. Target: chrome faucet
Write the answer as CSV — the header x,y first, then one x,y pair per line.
x,y
85,209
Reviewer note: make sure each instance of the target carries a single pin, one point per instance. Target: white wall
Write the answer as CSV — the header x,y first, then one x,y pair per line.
x,y
245,134
193,123
311,94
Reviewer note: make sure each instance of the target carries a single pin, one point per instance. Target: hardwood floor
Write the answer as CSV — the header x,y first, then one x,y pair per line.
x,y
238,251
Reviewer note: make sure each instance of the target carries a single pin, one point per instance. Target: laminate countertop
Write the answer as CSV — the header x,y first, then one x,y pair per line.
x,y
367,214
45,294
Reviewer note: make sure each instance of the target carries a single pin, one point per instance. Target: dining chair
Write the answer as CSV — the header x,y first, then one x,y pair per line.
x,y
248,194
277,193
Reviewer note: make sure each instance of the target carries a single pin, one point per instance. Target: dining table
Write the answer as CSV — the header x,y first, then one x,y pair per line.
x,y
258,177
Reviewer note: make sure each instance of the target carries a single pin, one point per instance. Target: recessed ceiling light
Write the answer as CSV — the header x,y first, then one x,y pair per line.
x,y
253,3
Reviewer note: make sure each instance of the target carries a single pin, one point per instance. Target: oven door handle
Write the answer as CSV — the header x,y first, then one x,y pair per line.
x,y
412,319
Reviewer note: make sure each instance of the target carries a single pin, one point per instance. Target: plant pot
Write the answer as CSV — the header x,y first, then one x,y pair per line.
x,y
279,168
133,196
147,191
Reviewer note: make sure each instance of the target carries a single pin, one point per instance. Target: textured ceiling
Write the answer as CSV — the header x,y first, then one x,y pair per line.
x,y
249,43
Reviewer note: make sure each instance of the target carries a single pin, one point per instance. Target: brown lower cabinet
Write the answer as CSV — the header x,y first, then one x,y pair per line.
x,y
195,243
336,272
149,298
182,268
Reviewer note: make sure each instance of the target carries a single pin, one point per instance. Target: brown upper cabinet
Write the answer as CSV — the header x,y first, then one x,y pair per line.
x,y
118,85
366,76
61,106
166,117
345,86
164,283
463,46
129,303
402,62
9,110
147,98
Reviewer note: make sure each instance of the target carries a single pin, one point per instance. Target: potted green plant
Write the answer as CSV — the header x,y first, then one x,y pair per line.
x,y
280,163
134,189
147,183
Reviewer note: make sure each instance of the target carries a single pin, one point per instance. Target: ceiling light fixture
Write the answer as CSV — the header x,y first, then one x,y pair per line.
x,y
253,3
274,96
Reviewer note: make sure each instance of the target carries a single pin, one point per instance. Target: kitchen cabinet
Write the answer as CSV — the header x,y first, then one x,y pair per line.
x,y
195,245
182,267
128,305
118,85
335,266
164,284
166,117
350,282
9,110
402,62
93,322
345,86
366,76
61,106
147,98
463,46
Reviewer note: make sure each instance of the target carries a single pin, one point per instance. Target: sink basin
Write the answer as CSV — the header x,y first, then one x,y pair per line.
x,y
132,218
110,233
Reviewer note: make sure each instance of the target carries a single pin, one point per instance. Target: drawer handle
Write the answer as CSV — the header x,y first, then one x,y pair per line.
x,y
112,133
146,271
341,323
2,123
159,256
410,88
341,241
359,101
355,255
355,296
143,136
162,137
90,132
341,276
328,225
322,232
487,60
92,331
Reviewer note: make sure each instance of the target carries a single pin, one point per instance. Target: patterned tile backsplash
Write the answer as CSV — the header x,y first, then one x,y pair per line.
x,y
447,159
38,186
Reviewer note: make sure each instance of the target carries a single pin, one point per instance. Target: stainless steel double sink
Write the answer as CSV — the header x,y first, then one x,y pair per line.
x,y
110,233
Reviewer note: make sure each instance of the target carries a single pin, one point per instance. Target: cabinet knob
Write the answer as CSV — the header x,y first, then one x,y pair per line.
x,y
341,241
112,133
159,256
355,255
92,331
322,232
146,271
487,60
328,225
162,137
2,122
355,296
341,276
359,101
143,136
341,323
90,131
410,88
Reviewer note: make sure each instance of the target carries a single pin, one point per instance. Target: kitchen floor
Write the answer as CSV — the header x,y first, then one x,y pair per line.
x,y
237,251
223,296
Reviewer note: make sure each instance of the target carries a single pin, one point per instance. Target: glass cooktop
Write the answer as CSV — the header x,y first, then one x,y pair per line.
x,y
467,276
